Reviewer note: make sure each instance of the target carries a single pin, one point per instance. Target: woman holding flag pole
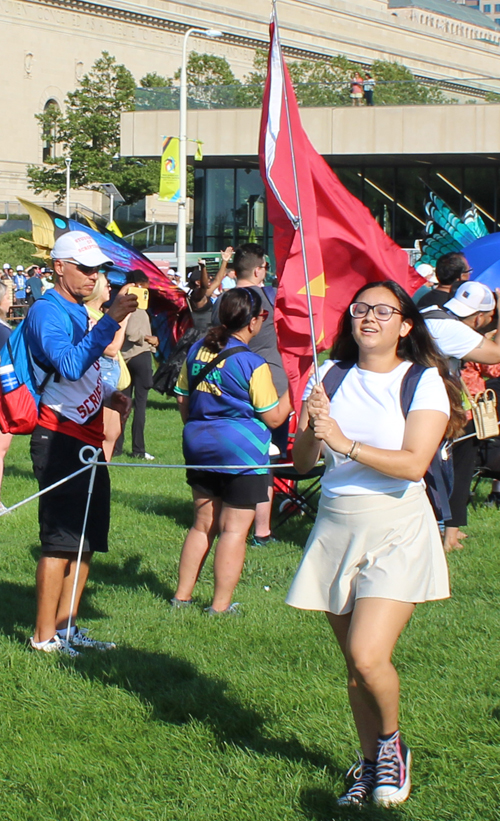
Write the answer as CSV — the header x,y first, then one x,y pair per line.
x,y
375,549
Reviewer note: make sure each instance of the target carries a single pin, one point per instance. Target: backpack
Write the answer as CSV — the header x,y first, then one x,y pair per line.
x,y
165,378
20,394
439,476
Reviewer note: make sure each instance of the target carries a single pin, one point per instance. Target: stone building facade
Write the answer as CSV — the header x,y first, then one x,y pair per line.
x,y
47,45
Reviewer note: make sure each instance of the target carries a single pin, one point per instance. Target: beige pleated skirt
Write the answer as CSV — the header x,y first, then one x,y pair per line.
x,y
378,546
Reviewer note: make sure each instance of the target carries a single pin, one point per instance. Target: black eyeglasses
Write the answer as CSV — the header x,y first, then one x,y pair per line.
x,y
382,312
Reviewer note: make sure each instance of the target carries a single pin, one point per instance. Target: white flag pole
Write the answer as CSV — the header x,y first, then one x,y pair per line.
x,y
299,224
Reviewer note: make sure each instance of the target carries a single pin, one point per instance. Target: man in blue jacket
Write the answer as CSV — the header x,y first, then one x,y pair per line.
x,y
70,417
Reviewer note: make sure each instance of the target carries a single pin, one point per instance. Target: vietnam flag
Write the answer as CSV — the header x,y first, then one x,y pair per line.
x,y
344,245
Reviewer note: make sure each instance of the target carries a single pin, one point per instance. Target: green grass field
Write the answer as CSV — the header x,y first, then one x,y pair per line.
x,y
237,719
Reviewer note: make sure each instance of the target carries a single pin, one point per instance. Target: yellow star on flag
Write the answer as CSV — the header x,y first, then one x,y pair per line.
x,y
317,286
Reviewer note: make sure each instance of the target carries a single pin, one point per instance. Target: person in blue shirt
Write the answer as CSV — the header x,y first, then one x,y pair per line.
x,y
20,284
227,416
5,332
70,416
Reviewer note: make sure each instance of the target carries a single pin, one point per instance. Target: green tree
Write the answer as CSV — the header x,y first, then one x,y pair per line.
x,y
15,251
89,133
396,85
327,82
154,80
207,70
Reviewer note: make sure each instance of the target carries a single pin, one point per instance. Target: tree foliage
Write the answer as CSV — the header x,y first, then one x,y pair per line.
x,y
396,85
16,252
89,133
154,80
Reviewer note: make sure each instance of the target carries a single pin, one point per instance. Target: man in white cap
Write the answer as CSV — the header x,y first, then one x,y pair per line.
x,y
20,284
70,416
457,329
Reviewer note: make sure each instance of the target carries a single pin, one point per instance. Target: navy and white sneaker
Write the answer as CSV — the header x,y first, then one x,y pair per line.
x,y
80,638
393,771
364,774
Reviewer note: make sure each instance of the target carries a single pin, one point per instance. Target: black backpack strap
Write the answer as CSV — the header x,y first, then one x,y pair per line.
x,y
438,313
213,364
409,386
335,376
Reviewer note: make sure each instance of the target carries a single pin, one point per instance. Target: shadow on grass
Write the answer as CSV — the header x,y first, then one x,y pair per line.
x,y
177,693
18,609
320,805
13,470
166,404
181,510
128,575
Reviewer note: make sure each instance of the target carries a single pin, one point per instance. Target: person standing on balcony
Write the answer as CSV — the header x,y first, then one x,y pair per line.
x,y
368,86
357,89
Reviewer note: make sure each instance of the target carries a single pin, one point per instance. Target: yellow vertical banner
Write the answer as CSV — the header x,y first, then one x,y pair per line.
x,y
169,174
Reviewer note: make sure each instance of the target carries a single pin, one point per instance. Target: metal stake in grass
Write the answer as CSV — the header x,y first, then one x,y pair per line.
x,y
94,462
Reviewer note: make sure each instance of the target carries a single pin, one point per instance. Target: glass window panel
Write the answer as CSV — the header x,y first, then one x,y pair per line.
x,y
352,178
249,206
480,187
379,196
447,183
410,217
215,230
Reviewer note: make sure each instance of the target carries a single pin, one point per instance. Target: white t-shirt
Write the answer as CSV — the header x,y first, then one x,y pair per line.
x,y
367,407
453,338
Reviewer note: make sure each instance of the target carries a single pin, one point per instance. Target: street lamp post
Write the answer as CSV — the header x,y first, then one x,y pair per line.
x,y
181,225
68,183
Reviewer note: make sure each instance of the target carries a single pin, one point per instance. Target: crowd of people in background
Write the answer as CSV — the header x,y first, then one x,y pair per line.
x,y
377,436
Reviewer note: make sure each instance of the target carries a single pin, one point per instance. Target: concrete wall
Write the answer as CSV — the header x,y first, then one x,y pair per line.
x,y
398,130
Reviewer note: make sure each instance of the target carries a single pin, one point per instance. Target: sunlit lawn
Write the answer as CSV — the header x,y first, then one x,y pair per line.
x,y
199,719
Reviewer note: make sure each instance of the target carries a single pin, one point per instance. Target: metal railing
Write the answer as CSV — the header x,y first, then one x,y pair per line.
x,y
317,94
158,233
12,209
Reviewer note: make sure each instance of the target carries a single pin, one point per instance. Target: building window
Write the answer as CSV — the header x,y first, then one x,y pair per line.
x,y
487,8
49,134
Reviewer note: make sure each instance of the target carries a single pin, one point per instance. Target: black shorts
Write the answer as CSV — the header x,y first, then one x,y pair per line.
x,y
233,488
62,510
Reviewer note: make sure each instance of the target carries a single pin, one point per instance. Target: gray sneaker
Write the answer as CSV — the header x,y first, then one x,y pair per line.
x,y
81,639
180,604
232,610
55,645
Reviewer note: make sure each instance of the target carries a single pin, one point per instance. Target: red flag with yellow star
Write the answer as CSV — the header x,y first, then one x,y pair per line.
x,y
344,245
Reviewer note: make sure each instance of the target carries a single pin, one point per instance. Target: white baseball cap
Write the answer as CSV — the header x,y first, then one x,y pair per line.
x,y
470,298
20,268
6,266
80,247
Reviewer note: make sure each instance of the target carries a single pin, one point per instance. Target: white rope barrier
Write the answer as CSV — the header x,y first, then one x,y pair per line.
x,y
91,463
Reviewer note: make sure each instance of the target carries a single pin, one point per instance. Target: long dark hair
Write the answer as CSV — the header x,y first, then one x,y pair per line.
x,y
237,308
417,346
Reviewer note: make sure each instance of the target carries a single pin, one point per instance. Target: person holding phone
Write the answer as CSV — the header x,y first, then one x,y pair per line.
x,y
137,348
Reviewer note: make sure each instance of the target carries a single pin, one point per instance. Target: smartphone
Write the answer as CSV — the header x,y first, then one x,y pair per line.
x,y
142,295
